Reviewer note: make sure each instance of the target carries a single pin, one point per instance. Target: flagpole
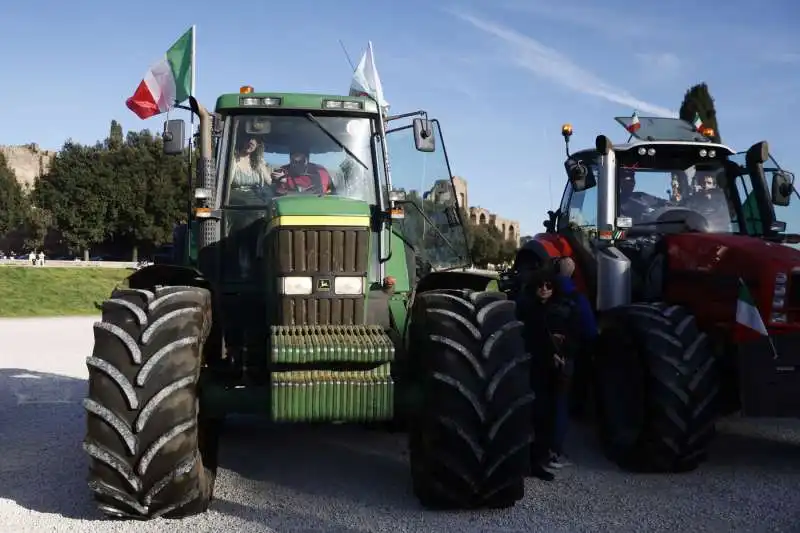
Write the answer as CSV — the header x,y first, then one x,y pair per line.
x,y
188,243
194,57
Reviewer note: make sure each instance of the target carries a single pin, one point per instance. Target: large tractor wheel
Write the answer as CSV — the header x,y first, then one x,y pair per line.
x,y
656,381
470,432
151,453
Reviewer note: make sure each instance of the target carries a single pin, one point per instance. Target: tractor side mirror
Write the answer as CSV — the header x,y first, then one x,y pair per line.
x,y
580,177
782,187
423,135
174,136
216,124
397,196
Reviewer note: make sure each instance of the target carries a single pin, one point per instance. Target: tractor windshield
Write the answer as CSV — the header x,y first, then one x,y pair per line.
x,y
656,197
661,129
290,154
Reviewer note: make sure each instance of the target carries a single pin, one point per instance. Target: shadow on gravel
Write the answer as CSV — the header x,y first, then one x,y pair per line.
x,y
343,462
289,521
42,424
739,443
771,451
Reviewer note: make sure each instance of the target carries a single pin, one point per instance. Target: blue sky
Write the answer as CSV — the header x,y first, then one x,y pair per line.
x,y
501,76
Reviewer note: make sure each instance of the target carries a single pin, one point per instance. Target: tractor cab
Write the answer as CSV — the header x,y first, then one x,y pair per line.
x,y
305,159
666,179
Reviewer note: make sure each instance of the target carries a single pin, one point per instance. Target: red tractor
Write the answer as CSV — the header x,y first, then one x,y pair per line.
x,y
694,280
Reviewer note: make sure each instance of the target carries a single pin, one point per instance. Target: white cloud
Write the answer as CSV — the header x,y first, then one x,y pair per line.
x,y
592,17
551,64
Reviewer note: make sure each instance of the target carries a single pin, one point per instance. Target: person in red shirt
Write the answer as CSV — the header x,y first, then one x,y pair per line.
x,y
301,175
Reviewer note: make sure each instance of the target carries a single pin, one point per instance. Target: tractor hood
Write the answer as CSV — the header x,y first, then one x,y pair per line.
x,y
303,205
731,255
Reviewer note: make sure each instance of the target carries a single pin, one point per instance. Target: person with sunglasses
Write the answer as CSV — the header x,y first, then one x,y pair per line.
x,y
551,332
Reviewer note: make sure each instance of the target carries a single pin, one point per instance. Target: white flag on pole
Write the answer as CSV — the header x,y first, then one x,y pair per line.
x,y
366,81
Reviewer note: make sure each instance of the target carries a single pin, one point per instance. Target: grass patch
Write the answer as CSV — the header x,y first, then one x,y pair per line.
x,y
31,291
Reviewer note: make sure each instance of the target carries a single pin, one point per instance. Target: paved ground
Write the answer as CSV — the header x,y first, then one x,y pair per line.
x,y
347,479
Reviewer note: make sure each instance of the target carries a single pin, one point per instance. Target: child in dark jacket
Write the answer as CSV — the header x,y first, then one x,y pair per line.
x,y
577,369
552,337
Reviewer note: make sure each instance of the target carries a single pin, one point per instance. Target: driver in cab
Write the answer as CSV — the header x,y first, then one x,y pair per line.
x,y
634,204
301,175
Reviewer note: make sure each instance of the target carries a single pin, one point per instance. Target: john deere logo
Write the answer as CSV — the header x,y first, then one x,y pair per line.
x,y
323,284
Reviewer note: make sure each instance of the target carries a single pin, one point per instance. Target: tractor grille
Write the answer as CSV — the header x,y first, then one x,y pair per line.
x,y
321,254
793,296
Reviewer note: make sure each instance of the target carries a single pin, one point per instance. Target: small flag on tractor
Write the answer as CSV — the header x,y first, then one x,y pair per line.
x,y
170,81
697,122
634,126
748,316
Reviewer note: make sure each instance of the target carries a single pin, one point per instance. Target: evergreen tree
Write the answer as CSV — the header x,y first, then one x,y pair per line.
x,y
698,100
12,199
115,136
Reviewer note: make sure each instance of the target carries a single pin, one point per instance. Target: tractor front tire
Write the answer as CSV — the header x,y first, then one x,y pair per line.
x,y
656,384
470,430
151,451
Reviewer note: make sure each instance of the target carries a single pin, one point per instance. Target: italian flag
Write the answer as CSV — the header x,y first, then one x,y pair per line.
x,y
747,313
170,81
697,122
634,126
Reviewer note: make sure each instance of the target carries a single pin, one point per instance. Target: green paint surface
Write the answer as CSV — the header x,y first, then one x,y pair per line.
x,y
228,102
304,205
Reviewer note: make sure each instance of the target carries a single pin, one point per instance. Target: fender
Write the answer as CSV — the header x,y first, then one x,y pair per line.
x,y
160,274
450,279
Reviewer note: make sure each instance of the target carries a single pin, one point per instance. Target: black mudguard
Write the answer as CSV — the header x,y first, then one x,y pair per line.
x,y
160,274
449,279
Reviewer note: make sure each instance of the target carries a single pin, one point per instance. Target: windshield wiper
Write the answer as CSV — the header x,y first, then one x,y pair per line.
x,y
332,137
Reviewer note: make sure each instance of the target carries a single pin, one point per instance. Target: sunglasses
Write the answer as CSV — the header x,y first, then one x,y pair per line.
x,y
546,285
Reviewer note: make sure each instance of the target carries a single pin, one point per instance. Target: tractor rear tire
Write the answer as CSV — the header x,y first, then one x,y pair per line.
x,y
656,386
151,451
470,430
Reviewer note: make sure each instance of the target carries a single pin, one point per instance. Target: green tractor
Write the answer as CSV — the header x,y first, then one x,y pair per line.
x,y
327,287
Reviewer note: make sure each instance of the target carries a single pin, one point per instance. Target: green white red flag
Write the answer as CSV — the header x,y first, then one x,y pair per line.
x,y
747,313
168,82
634,126
697,122
749,319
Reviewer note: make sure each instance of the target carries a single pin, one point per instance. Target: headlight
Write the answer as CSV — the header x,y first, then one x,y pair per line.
x,y
295,285
348,285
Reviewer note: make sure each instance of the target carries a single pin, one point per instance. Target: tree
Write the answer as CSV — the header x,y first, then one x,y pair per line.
x,y
77,191
35,227
12,199
115,136
698,100
150,191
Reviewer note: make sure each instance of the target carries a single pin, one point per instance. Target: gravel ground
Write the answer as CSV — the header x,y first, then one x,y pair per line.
x,y
346,479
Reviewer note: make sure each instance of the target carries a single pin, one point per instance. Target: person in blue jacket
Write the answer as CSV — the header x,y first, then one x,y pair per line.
x,y
588,333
